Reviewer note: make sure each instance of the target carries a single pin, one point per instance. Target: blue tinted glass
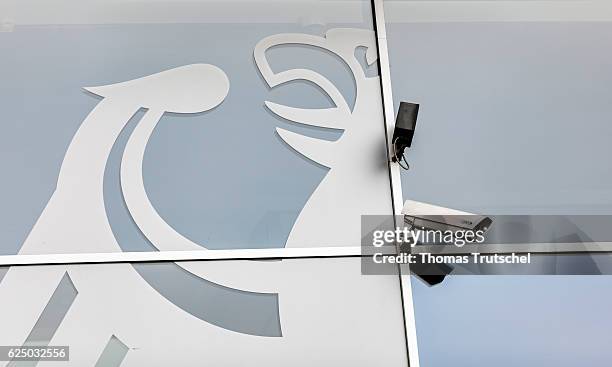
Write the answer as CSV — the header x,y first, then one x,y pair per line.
x,y
222,178
513,120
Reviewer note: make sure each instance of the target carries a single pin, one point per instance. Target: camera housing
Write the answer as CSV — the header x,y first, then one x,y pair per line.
x,y
432,217
405,124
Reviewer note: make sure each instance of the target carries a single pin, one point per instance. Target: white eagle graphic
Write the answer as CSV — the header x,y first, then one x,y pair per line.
x,y
114,301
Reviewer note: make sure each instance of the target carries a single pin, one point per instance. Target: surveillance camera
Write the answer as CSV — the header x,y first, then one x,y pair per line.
x,y
404,130
432,217
438,218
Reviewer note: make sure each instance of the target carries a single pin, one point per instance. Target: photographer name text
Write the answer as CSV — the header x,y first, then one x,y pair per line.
x,y
473,258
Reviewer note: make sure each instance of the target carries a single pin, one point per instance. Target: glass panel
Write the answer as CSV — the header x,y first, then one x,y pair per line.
x,y
514,119
207,162
510,321
304,312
